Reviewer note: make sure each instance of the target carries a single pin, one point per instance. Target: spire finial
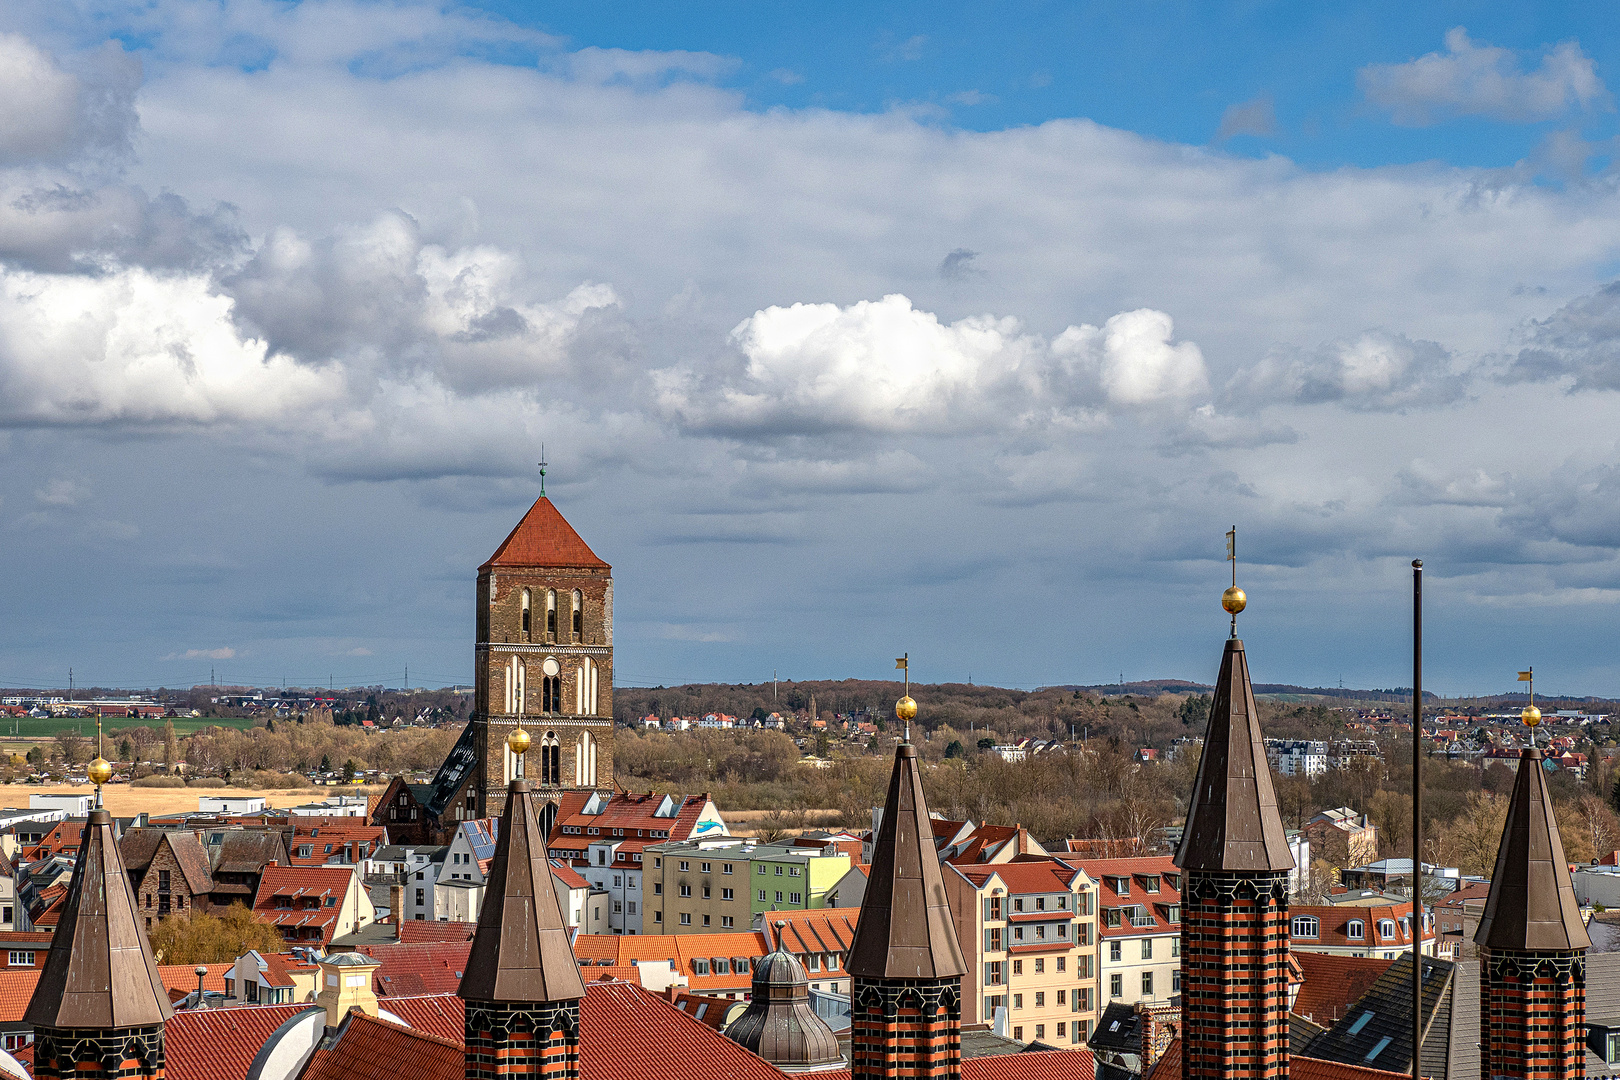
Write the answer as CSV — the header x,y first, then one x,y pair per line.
x,y
905,709
1531,715
542,470
1233,600
99,770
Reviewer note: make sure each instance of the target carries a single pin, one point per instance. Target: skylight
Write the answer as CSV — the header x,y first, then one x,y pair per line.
x,y
1385,1041
1361,1022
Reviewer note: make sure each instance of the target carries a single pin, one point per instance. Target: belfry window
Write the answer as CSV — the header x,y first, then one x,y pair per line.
x,y
579,614
551,693
551,614
526,611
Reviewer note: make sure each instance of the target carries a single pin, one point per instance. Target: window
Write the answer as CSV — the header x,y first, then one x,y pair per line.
x,y
1116,985
992,908
632,907
1018,1033
1175,981
1040,999
778,896
762,894
1018,903
686,890
700,967
706,892
1356,929
1040,903
1062,999
1114,951
1062,963
1018,967
22,959
1386,927
686,919
727,894
1040,965
1175,946
707,868
795,898
421,897
1061,1026
658,888
1306,926
705,920
725,868
551,613
525,612
1018,1001
1147,984
778,871
992,973
1150,883
1040,1029
579,614
992,939
618,907
727,921
992,1003
685,865
1147,948
812,961
616,881
658,916
794,871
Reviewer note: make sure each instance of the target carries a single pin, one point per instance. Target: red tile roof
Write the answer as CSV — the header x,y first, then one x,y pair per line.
x,y
1024,876
16,988
1334,925
220,1044
1112,874
368,1049
1030,1065
414,932
409,970
543,538
823,930
1304,1068
1168,1067
630,1034
1333,983
436,1014
183,977
308,888
631,814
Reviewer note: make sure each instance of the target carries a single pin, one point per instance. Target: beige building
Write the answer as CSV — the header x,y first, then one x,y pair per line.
x,y
1139,909
698,886
1028,932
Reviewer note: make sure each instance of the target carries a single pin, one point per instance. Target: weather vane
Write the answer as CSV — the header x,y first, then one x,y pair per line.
x,y
542,469
905,708
1233,600
100,770
1531,715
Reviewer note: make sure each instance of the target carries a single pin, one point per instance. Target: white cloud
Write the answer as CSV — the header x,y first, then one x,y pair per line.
x,y
1136,360
1471,79
62,492
1375,370
223,653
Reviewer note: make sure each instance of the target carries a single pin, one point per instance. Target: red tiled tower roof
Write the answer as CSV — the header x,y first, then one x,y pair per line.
x,y
544,538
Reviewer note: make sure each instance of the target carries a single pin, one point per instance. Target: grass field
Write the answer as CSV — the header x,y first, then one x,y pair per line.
x,y
125,801
48,727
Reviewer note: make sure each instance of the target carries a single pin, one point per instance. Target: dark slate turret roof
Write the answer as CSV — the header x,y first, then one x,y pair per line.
x,y
100,972
905,929
1233,823
1532,900
520,952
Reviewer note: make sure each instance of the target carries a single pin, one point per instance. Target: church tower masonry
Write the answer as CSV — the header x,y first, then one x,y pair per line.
x,y
544,659
1234,923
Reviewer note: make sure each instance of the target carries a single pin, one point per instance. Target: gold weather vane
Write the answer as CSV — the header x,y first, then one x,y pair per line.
x,y
1234,599
905,709
99,770
1531,715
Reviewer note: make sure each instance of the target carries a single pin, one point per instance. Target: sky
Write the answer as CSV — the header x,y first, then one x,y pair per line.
x,y
958,330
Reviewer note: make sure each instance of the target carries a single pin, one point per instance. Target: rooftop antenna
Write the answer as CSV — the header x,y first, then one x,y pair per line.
x,y
1233,599
906,709
542,470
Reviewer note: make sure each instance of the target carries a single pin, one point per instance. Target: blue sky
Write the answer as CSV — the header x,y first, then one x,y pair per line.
x,y
850,331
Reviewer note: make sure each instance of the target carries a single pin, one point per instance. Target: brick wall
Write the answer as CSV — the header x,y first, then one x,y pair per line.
x,y
538,1041
905,1028
151,895
1532,1010
1234,981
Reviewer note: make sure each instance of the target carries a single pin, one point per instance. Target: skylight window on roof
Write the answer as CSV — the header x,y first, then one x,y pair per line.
x,y
1385,1041
1361,1022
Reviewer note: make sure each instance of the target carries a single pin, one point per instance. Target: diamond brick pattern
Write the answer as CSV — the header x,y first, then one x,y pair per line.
x,y
1534,1010
1234,986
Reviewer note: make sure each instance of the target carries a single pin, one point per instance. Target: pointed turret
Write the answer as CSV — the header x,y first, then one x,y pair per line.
x,y
905,929
1532,903
520,951
1532,984
906,963
1233,823
99,1001
1234,923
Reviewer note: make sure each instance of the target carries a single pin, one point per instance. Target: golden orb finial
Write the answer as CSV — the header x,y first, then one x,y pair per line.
x,y
100,771
906,708
1234,600
1531,716
518,741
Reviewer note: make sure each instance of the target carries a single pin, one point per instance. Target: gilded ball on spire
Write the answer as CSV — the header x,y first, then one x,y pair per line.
x,y
100,771
1234,600
1531,716
518,741
906,708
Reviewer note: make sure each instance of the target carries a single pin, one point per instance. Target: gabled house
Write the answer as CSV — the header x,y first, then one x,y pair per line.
x,y
311,905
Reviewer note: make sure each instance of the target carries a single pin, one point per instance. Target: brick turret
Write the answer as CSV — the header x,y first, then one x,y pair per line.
x,y
906,964
99,1007
522,987
1234,923
1532,983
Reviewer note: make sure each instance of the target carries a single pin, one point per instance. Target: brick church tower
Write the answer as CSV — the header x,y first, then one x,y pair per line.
x,y
522,985
906,963
1532,984
99,1007
545,657
1234,923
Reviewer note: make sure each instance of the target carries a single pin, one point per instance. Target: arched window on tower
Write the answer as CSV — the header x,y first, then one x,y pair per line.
x,y
550,760
551,693
551,614
585,760
579,615
526,612
585,688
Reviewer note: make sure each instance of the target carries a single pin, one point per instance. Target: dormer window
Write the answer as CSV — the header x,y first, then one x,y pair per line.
x,y
1356,929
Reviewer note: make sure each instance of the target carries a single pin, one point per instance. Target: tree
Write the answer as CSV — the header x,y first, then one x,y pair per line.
x,y
987,744
823,745
954,749
1194,711
195,937
349,771
171,745
75,748
326,763
36,755
126,750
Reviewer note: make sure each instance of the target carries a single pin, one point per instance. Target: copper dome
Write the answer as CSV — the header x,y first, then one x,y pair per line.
x,y
780,1024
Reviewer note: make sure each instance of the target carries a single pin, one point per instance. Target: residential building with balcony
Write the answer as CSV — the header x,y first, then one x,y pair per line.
x,y
1138,927
1028,932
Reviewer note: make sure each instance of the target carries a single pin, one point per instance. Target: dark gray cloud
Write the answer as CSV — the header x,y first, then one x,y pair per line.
x,y
1377,370
1579,342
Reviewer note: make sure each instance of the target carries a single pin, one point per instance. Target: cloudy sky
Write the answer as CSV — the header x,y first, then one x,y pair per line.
x,y
938,328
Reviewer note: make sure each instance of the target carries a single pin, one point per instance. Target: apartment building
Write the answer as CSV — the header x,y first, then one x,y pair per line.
x,y
1383,932
698,886
791,877
1139,928
1028,932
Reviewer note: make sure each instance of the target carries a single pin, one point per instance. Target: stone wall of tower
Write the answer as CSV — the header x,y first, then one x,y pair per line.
x,y
515,661
905,1028
533,1041
1532,1009
1234,975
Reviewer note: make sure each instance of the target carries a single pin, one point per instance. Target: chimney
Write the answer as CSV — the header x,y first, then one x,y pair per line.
x,y
201,973
345,985
396,905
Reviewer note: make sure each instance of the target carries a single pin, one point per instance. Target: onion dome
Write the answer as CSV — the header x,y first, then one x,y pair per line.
x,y
780,1025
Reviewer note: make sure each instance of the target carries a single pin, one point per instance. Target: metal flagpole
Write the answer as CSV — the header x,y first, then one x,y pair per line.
x,y
1417,819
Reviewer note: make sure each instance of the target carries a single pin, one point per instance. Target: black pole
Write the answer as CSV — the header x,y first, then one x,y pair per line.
x,y
1417,819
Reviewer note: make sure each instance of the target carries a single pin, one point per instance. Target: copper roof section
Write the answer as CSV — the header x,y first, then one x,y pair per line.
x,y
543,538
905,929
520,952
780,1025
100,972
1531,905
1233,823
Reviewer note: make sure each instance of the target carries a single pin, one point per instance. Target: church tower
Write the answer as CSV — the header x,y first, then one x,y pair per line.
x,y
544,658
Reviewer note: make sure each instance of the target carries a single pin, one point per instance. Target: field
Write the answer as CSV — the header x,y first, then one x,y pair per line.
x,y
125,801
34,730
